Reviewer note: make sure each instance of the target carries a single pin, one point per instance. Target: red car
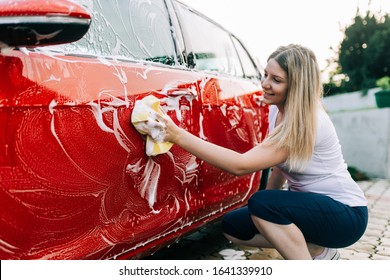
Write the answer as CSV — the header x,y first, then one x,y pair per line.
x,y
75,182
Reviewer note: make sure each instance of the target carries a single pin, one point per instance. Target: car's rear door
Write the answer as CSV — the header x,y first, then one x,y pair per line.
x,y
231,114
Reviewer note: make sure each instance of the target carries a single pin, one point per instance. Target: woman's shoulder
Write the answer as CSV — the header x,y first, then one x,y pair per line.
x,y
325,127
323,117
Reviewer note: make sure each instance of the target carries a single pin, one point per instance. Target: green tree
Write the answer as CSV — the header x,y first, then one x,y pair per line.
x,y
363,54
378,50
352,52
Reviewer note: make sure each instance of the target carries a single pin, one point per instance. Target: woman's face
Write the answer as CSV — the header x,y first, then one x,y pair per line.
x,y
275,84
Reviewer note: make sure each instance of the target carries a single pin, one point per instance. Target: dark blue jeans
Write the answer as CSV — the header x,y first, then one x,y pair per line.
x,y
322,220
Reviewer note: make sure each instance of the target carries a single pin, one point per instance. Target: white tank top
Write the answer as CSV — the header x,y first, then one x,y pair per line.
x,y
326,173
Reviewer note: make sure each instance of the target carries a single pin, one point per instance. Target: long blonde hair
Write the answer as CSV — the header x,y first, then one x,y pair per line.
x,y
297,131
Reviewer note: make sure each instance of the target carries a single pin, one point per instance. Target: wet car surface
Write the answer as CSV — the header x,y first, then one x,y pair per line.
x,y
75,182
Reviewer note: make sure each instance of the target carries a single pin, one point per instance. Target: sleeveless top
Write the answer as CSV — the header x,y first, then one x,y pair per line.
x,y
326,172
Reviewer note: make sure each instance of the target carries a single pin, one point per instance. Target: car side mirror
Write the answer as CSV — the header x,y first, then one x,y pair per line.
x,y
32,23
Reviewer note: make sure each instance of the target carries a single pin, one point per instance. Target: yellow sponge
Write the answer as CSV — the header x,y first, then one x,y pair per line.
x,y
143,121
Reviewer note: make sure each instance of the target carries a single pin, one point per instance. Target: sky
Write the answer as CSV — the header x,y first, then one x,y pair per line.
x,y
263,25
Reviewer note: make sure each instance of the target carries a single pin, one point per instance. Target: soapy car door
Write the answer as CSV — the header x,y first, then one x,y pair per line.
x,y
75,180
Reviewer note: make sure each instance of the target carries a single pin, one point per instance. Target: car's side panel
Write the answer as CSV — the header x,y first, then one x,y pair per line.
x,y
75,180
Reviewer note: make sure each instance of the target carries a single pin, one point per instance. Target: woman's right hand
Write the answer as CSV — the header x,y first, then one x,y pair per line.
x,y
167,125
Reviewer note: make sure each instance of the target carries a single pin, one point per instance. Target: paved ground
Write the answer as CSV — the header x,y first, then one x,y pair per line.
x,y
209,243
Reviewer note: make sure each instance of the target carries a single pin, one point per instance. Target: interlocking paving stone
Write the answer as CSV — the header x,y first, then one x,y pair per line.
x,y
386,234
379,257
379,213
384,241
356,256
374,241
373,232
383,251
366,248
378,221
376,227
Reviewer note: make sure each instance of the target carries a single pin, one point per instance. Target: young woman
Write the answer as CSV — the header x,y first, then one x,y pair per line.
x,y
324,208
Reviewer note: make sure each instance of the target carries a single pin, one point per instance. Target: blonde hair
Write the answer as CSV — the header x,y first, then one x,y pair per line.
x,y
297,131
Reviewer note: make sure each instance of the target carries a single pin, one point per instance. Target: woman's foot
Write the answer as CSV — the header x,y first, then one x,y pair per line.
x,y
328,254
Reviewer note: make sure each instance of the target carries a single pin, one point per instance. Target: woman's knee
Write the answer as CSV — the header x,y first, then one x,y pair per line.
x,y
238,224
258,202
269,205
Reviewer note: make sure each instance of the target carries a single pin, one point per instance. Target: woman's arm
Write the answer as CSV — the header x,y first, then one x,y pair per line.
x,y
258,158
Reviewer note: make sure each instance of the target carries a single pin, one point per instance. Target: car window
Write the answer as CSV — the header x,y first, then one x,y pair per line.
x,y
211,46
250,70
134,29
